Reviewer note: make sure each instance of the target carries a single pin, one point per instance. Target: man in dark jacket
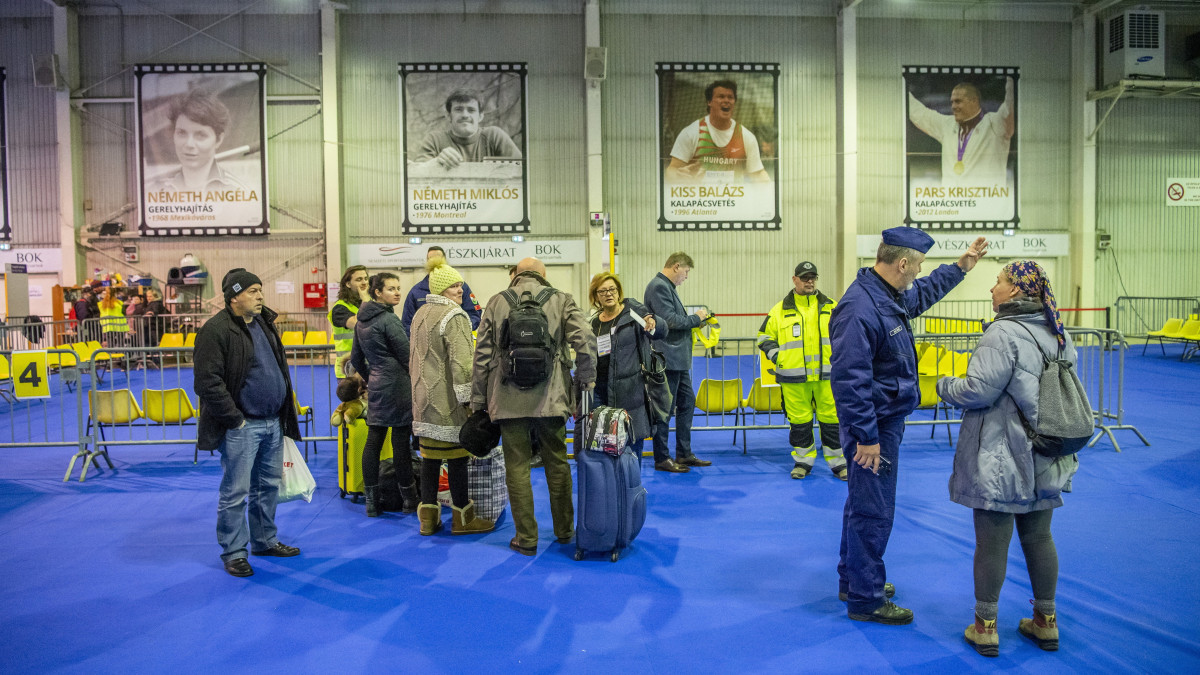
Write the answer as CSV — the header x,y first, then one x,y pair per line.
x,y
662,300
874,380
83,311
416,297
246,408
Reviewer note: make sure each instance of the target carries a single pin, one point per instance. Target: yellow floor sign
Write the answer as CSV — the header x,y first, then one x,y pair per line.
x,y
30,376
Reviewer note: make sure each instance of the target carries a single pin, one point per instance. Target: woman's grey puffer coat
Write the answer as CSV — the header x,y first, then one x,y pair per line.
x,y
995,467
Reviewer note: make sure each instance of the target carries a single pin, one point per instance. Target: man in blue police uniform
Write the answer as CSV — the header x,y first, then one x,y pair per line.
x,y
874,378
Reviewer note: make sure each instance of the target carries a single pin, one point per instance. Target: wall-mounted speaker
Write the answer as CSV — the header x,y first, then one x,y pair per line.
x,y
595,63
45,71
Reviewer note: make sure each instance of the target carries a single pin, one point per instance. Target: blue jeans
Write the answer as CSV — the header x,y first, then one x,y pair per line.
x,y
252,461
680,383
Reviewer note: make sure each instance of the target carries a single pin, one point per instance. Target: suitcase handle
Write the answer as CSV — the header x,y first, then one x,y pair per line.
x,y
586,403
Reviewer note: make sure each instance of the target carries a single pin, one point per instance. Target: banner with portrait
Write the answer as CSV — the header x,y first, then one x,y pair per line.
x,y
5,220
960,147
463,135
718,146
201,134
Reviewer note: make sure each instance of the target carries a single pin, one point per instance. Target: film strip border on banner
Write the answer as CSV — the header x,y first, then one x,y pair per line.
x,y
143,68
772,68
968,70
519,68
146,68
1011,71
511,228
966,225
720,67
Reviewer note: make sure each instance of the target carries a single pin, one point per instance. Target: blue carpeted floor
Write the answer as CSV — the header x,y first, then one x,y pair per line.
x,y
735,570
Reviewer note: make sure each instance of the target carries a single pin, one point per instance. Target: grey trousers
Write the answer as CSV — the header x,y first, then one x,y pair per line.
x,y
993,533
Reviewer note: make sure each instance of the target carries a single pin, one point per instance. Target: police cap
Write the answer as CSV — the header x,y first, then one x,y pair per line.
x,y
908,237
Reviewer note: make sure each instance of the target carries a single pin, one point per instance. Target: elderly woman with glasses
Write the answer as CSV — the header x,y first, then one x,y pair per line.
x,y
996,471
623,328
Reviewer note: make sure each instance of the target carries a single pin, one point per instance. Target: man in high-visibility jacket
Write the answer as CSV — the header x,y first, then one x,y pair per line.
x,y
795,337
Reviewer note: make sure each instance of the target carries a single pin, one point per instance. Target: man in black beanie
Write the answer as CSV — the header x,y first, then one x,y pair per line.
x,y
246,409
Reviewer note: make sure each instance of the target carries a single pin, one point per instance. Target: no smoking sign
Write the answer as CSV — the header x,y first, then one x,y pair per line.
x,y
1183,192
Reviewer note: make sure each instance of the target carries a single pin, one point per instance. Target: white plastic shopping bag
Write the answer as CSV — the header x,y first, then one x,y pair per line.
x,y
298,482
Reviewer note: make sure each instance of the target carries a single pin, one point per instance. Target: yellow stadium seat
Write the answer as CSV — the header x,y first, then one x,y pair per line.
x,y
316,338
1168,330
5,378
761,399
922,347
82,350
764,399
171,340
190,341
305,413
56,360
1189,327
167,406
928,363
931,401
1191,340
292,338
111,408
961,359
719,397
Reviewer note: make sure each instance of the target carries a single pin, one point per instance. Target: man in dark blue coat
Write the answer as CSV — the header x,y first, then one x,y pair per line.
x,y
874,378
662,300
416,297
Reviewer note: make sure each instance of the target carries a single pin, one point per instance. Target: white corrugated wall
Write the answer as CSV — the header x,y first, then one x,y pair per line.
x,y
1154,246
32,168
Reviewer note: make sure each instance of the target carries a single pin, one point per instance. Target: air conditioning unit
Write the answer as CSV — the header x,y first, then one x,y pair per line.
x,y
1135,46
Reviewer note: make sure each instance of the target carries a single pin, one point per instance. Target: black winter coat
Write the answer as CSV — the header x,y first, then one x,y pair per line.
x,y
380,341
224,351
626,388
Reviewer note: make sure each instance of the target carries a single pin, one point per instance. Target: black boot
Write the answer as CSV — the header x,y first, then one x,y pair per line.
x,y
408,495
374,504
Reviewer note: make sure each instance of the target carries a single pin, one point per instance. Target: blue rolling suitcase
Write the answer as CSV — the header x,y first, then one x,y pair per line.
x,y
612,501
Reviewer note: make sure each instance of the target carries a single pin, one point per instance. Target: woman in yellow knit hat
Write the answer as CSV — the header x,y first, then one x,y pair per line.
x,y
440,364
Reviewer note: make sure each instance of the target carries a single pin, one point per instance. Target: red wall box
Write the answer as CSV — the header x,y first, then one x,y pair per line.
x,y
314,296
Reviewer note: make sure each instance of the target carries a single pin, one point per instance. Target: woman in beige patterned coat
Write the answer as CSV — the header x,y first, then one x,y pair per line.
x,y
440,364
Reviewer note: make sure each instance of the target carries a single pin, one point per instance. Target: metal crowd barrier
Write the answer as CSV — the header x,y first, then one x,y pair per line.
x,y
725,405
16,335
43,423
1136,316
140,396
1101,368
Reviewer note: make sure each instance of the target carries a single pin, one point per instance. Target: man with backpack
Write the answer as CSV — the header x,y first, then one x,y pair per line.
x,y
522,377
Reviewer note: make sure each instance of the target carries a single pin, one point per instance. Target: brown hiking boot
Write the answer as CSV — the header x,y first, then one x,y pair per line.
x,y
983,637
1042,629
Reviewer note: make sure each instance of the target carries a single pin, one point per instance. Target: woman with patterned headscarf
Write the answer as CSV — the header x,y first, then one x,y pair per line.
x,y
996,472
